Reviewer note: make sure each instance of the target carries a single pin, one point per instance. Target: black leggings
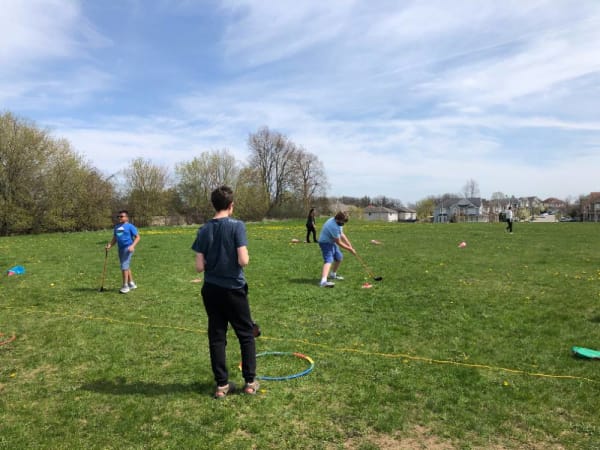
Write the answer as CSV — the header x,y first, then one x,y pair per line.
x,y
311,229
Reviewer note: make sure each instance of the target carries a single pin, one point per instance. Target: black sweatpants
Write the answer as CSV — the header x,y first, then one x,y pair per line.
x,y
225,306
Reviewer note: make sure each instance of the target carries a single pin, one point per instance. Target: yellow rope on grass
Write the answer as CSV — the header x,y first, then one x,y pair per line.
x,y
317,345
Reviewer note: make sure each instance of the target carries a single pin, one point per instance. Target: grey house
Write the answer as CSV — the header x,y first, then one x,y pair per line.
x,y
459,210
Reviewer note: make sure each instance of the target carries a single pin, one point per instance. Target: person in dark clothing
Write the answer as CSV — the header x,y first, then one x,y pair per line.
x,y
310,226
221,248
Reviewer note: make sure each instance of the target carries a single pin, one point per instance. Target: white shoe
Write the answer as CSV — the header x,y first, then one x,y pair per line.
x,y
132,285
335,276
124,289
327,284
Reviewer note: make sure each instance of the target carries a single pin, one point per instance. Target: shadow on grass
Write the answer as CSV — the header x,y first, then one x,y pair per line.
x,y
93,289
314,281
121,387
595,319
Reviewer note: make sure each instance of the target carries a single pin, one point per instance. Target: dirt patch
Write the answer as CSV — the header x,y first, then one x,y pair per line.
x,y
419,439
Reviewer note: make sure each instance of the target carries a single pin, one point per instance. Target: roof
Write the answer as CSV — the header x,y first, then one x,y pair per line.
x,y
380,209
463,202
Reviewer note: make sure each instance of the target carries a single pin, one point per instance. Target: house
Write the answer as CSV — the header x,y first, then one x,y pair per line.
x,y
380,213
459,210
530,206
590,208
406,215
554,204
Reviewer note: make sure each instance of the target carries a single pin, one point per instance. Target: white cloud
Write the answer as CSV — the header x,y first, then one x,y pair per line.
x,y
264,32
43,30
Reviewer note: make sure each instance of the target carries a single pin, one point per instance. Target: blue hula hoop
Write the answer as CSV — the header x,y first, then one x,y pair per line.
x,y
286,377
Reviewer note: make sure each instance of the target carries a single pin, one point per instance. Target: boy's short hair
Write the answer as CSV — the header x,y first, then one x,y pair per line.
x,y
341,216
221,198
123,211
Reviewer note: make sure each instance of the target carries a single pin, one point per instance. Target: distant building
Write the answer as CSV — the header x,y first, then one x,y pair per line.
x,y
406,215
554,204
380,213
590,208
459,210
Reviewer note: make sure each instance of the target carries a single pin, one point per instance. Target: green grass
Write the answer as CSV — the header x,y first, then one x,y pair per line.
x,y
461,348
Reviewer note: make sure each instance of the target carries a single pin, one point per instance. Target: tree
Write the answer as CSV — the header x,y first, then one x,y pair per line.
x,y
199,177
251,199
425,208
65,188
23,154
272,154
45,185
94,208
309,177
146,191
471,189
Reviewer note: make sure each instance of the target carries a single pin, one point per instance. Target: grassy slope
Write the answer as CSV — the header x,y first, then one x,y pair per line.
x,y
103,370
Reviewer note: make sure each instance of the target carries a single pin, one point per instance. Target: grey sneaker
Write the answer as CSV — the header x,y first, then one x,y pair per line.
x,y
327,284
132,285
336,277
124,289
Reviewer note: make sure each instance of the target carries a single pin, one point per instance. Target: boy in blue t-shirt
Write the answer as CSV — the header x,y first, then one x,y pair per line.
x,y
331,238
127,236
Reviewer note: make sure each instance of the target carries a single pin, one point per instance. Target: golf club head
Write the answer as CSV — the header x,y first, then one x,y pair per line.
x,y
378,278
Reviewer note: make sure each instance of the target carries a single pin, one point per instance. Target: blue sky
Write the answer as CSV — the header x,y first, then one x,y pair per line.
x,y
398,98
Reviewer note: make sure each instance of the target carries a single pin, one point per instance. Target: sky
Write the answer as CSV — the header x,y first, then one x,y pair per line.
x,y
405,99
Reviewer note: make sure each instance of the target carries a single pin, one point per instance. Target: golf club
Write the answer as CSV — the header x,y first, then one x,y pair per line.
x,y
369,271
104,270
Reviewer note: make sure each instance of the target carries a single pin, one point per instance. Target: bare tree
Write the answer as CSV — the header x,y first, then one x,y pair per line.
x,y
272,154
498,200
471,189
310,180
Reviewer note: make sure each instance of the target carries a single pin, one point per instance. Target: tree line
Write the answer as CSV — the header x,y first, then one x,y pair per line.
x,y
45,185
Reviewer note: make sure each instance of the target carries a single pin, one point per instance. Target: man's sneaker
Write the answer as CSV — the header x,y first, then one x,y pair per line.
x,y
124,289
335,276
327,284
132,285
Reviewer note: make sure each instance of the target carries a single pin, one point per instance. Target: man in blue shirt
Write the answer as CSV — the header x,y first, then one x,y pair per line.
x,y
127,236
331,238
221,250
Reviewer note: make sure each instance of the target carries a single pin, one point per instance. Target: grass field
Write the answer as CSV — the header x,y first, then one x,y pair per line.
x,y
455,348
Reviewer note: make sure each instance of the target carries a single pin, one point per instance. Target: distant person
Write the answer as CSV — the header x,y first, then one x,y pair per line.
x,y
310,226
332,237
127,237
509,220
221,248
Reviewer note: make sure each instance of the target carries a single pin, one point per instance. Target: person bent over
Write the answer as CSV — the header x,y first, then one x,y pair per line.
x,y
331,238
